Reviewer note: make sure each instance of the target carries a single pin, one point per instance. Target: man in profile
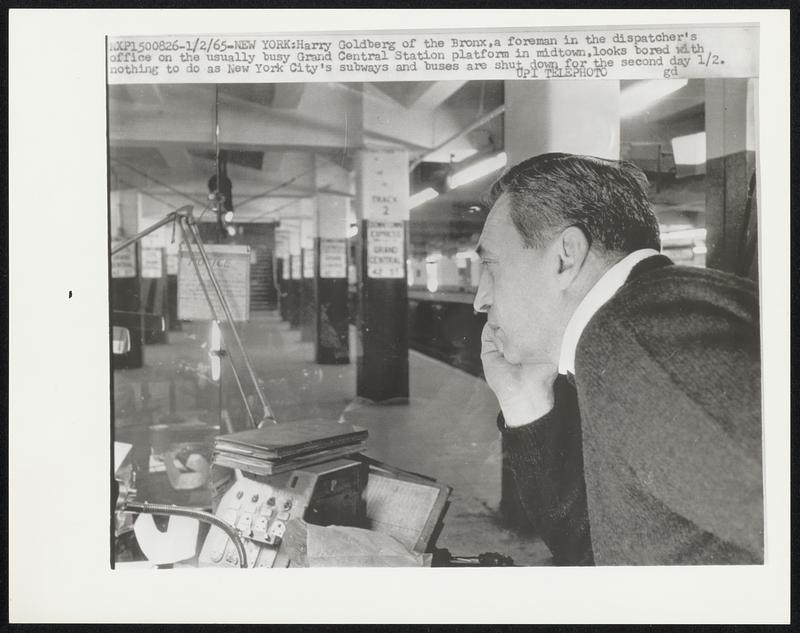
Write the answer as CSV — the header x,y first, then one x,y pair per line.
x,y
629,387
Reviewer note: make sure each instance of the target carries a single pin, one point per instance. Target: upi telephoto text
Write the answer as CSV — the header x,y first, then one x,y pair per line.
x,y
631,53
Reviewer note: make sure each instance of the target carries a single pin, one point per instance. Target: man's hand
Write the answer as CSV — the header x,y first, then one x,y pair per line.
x,y
525,391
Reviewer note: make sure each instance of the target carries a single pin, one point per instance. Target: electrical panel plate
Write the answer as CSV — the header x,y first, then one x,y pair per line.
x,y
259,508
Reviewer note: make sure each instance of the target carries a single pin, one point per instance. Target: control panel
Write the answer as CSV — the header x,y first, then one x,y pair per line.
x,y
259,508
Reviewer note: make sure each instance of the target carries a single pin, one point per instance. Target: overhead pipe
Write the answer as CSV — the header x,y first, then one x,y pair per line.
x,y
268,415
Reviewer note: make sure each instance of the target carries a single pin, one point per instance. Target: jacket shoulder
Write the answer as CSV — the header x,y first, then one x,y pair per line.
x,y
682,299
697,332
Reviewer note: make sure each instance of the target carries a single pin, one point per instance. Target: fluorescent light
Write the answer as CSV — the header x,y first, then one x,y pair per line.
x,y
461,154
667,228
477,170
685,234
422,197
643,94
689,149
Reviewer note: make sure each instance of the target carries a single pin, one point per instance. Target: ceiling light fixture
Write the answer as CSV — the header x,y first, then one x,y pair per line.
x,y
421,197
689,149
477,170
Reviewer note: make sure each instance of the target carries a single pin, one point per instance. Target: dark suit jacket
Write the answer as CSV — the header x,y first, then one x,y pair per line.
x,y
654,455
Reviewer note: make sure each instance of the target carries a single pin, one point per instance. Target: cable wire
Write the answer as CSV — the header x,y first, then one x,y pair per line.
x,y
155,180
206,517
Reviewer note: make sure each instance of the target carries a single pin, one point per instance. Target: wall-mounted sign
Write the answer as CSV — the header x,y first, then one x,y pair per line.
x,y
384,185
386,250
332,259
152,263
231,266
123,264
308,263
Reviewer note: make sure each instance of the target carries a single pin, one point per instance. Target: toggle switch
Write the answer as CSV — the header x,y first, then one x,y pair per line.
x,y
244,524
268,513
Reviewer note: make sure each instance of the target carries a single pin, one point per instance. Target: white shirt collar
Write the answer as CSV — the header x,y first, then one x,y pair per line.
x,y
602,291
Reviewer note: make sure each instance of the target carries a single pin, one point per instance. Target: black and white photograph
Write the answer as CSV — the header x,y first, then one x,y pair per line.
x,y
502,295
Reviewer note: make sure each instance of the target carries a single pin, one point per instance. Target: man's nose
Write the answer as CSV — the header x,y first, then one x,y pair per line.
x,y
483,297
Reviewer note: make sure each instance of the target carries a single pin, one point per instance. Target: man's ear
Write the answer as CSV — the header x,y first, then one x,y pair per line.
x,y
572,250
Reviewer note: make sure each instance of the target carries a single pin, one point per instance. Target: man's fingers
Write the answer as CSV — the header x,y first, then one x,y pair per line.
x,y
487,336
488,346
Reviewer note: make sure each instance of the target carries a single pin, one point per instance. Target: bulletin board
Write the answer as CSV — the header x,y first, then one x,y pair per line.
x,y
231,266
332,258
386,250
152,263
123,263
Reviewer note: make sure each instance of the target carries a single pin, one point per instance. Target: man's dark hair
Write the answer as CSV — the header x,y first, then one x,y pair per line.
x,y
607,199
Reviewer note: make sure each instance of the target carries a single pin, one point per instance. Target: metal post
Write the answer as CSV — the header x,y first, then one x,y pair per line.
x,y
215,316
181,215
268,414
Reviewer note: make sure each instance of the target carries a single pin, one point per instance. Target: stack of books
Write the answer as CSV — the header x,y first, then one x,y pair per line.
x,y
283,447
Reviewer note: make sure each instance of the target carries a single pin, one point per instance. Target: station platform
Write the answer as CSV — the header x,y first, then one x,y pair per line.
x,y
446,430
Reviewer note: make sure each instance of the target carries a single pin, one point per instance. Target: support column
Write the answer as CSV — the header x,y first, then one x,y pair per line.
x,y
382,369
308,290
173,324
125,287
282,270
159,287
295,277
153,275
152,271
730,169
579,117
332,341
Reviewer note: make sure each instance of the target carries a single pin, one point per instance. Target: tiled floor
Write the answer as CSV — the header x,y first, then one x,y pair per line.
x,y
446,430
